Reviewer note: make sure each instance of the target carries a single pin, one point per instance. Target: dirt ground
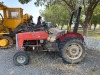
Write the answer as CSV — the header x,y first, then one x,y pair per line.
x,y
45,63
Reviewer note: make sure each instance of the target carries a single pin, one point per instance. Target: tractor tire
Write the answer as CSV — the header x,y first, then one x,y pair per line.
x,y
21,58
72,50
10,42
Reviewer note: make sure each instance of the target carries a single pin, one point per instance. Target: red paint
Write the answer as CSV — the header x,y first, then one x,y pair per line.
x,y
39,35
71,34
42,35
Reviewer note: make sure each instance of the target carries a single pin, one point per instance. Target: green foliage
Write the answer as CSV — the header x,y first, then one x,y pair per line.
x,y
96,16
43,2
57,14
24,1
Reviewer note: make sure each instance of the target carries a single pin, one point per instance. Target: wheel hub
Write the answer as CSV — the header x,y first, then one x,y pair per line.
x,y
74,51
3,42
7,42
21,59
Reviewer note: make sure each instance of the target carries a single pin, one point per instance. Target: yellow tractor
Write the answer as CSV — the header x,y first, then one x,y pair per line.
x,y
12,21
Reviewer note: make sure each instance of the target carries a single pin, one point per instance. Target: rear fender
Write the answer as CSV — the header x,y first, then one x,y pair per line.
x,y
70,35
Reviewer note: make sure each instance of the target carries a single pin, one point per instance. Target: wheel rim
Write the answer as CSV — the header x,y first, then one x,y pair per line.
x,y
74,51
21,59
9,44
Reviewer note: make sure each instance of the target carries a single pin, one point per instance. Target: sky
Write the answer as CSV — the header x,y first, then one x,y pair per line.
x,y
29,8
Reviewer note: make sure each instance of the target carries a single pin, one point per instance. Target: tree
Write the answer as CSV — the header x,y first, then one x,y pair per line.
x,y
96,17
24,1
57,14
89,6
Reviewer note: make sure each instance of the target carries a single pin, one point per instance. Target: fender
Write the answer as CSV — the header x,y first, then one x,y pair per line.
x,y
71,34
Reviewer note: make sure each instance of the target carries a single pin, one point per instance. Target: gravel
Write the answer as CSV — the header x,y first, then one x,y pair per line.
x,y
48,63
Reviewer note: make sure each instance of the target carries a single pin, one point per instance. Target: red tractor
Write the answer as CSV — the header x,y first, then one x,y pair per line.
x,y
70,45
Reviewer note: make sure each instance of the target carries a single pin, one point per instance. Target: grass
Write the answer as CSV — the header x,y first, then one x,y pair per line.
x,y
91,33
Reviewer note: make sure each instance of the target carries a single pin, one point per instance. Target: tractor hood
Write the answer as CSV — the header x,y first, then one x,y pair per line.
x,y
56,31
55,34
39,35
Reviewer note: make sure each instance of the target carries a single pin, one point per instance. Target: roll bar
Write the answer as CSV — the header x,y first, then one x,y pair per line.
x,y
77,19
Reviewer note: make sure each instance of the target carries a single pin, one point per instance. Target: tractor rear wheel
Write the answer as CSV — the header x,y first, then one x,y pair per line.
x,y
9,40
21,58
73,50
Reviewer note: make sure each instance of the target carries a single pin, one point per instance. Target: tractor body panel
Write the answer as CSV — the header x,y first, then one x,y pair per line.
x,y
39,35
71,34
21,37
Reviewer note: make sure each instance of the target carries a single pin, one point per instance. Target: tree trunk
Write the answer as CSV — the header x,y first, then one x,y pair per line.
x,y
85,30
99,25
90,25
62,26
95,26
88,15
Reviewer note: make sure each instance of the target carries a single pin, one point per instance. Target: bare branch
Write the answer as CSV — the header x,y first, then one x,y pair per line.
x,y
69,5
84,7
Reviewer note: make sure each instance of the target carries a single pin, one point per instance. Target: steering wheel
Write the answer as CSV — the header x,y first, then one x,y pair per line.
x,y
44,24
1,18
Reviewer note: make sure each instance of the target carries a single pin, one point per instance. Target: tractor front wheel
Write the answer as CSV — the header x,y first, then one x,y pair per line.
x,y
73,50
21,58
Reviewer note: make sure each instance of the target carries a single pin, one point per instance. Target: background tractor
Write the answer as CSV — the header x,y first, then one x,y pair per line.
x,y
70,45
12,21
